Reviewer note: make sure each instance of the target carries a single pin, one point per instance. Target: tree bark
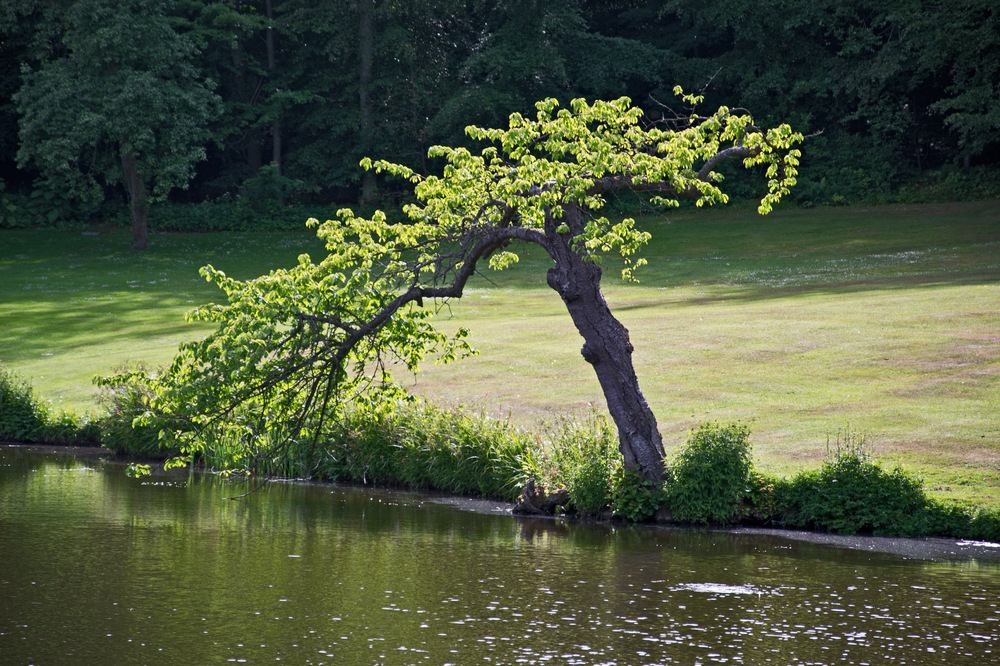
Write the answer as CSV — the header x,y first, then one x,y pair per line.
x,y
272,66
366,48
606,346
137,199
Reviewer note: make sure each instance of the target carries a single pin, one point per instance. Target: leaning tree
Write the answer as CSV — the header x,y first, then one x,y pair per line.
x,y
292,345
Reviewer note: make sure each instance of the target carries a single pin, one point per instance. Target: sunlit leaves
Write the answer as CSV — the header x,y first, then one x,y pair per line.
x,y
138,470
295,345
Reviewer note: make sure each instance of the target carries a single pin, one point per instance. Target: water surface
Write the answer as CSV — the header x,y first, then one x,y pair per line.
x,y
96,567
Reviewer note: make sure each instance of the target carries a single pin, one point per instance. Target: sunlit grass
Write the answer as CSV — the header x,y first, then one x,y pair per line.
x,y
805,323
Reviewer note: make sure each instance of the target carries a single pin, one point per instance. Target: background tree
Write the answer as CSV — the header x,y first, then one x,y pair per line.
x,y
119,100
292,346
909,85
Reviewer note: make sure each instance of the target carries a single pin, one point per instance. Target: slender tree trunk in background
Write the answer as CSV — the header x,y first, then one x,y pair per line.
x,y
137,200
606,347
366,48
271,67
254,154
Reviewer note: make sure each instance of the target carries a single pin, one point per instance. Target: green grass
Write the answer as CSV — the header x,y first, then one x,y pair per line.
x,y
73,306
802,324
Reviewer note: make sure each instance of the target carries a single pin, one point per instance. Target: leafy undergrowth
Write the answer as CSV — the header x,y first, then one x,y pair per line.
x,y
415,444
26,418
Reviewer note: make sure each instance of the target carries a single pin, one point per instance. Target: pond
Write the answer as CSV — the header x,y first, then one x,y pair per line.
x,y
96,567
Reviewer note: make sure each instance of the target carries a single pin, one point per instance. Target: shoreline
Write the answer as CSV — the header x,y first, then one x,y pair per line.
x,y
936,549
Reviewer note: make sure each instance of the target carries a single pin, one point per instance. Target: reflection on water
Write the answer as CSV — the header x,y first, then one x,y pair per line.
x,y
97,567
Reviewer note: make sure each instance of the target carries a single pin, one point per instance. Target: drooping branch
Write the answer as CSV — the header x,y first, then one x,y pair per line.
x,y
417,292
733,152
622,182
314,359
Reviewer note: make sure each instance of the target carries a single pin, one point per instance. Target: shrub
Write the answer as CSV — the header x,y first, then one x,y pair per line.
x,y
634,497
580,457
760,505
985,525
124,401
851,493
22,417
231,215
25,418
46,205
711,475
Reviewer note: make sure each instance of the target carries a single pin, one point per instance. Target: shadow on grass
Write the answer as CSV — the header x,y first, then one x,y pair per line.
x,y
725,292
54,326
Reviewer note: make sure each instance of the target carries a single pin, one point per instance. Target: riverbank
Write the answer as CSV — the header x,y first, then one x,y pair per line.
x,y
99,567
804,324
933,549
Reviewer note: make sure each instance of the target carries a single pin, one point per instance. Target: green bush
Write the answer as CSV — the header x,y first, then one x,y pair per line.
x,y
851,493
238,215
711,475
759,506
24,418
634,497
952,184
985,525
123,402
47,205
580,457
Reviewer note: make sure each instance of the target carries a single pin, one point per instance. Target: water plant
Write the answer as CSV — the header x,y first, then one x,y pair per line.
x,y
580,456
416,444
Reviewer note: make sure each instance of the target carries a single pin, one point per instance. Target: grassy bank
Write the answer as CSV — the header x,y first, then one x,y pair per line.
x,y
804,323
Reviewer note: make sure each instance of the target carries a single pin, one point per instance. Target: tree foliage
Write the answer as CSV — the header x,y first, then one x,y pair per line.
x,y
909,86
119,102
295,345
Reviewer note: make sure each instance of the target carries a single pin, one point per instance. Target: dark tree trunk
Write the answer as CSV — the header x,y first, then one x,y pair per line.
x,y
366,48
254,154
137,201
606,346
271,70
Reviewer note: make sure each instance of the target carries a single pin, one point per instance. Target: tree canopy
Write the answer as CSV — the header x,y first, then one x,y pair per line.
x,y
316,86
119,102
294,346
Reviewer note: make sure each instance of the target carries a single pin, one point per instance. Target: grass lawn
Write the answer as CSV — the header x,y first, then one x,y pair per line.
x,y
805,324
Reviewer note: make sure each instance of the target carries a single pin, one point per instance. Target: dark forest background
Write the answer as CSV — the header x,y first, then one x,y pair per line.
x,y
239,111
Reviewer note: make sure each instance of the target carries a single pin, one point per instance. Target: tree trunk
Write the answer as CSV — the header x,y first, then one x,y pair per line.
x,y
606,346
254,154
137,200
366,48
271,67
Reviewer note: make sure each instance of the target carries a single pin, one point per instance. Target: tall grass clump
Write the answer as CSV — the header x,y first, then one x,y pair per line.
x,y
123,403
711,475
581,457
418,445
852,493
26,419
